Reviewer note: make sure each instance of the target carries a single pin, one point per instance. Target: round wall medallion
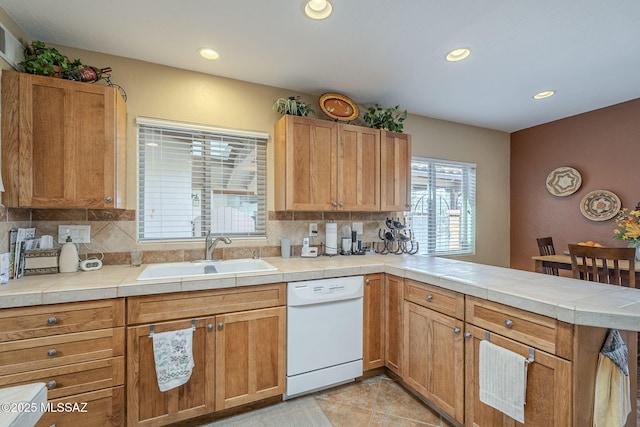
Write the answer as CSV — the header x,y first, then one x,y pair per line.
x,y
600,205
563,181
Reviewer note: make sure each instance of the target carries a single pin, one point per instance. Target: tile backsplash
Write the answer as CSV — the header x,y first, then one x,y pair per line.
x,y
113,233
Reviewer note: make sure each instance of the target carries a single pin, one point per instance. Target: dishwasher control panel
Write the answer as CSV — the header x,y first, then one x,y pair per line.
x,y
324,290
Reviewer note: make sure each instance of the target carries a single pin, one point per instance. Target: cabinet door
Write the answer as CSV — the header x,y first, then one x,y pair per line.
x,y
306,167
250,356
103,408
395,172
393,328
434,357
549,387
358,168
66,143
146,404
373,322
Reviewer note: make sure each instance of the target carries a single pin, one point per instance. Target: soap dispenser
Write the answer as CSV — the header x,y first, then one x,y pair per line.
x,y
68,257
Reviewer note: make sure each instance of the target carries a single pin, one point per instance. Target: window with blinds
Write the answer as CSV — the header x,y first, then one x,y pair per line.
x,y
196,178
443,199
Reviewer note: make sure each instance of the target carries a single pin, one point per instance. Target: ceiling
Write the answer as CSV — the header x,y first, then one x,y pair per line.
x,y
385,51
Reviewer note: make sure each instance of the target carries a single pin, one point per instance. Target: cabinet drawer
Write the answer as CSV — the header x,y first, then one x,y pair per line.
x,y
58,350
103,408
157,308
441,300
72,379
529,328
55,319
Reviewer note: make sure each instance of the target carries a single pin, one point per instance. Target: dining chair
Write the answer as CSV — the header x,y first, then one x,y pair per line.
x,y
545,246
604,265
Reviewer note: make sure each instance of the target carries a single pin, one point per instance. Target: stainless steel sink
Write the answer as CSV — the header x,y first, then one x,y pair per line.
x,y
200,268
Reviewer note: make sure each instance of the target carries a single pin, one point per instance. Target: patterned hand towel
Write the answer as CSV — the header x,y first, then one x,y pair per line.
x,y
173,355
503,380
612,402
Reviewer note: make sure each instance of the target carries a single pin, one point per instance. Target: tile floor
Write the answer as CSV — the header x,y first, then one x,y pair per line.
x,y
378,401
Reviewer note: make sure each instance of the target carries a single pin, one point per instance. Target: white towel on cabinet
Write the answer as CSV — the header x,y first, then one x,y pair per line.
x,y
173,356
503,380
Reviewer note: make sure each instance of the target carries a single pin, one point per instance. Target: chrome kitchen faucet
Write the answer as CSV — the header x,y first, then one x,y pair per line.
x,y
210,245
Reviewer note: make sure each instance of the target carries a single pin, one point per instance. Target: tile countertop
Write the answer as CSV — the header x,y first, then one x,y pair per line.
x,y
573,301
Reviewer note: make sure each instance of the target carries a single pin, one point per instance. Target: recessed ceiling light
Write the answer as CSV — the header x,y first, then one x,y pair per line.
x,y
318,9
544,94
458,54
208,53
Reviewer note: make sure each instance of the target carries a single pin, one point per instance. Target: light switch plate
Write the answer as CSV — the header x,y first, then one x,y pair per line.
x,y
78,233
313,229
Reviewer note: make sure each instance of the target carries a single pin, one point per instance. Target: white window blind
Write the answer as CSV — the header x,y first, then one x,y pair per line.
x,y
443,200
195,178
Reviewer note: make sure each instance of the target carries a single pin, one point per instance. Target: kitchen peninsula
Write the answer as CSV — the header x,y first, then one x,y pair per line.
x,y
562,320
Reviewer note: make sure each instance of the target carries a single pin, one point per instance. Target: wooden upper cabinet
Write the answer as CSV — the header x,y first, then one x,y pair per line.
x,y
305,164
358,168
395,172
63,143
323,165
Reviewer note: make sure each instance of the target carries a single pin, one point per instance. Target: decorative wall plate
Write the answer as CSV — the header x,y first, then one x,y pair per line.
x,y
339,107
600,205
564,181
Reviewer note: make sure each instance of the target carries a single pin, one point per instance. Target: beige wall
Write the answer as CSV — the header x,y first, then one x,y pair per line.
x,y
169,93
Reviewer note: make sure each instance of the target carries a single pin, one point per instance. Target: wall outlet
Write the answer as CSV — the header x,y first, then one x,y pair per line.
x,y
357,227
313,229
78,233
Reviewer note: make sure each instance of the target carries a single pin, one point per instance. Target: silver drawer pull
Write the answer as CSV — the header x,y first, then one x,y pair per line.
x,y
220,326
467,334
367,281
108,199
52,384
51,352
429,297
508,323
52,321
456,331
209,327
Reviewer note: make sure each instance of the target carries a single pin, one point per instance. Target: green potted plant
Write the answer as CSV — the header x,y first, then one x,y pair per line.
x,y
293,105
47,61
385,118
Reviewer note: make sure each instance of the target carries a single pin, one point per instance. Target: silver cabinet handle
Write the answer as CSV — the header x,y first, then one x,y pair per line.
x,y
209,327
456,331
52,352
220,326
52,321
341,204
508,323
429,297
467,334
367,281
52,384
108,199
334,204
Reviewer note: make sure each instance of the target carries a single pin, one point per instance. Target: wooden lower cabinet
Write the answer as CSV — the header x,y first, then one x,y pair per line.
x,y
146,404
97,408
393,323
250,356
549,387
434,357
373,351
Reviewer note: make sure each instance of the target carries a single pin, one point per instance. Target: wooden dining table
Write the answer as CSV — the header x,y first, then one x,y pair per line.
x,y
563,262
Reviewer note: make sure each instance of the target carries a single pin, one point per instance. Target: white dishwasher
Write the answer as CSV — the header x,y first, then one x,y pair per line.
x,y
324,333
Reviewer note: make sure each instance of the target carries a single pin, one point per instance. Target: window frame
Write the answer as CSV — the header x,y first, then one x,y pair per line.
x,y
467,207
215,143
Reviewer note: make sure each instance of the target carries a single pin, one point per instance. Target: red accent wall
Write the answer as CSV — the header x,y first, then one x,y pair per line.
x,y
603,145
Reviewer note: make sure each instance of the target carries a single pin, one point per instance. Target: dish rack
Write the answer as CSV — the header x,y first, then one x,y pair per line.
x,y
397,239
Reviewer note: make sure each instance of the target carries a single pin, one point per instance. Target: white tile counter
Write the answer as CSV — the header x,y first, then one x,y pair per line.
x,y
569,300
